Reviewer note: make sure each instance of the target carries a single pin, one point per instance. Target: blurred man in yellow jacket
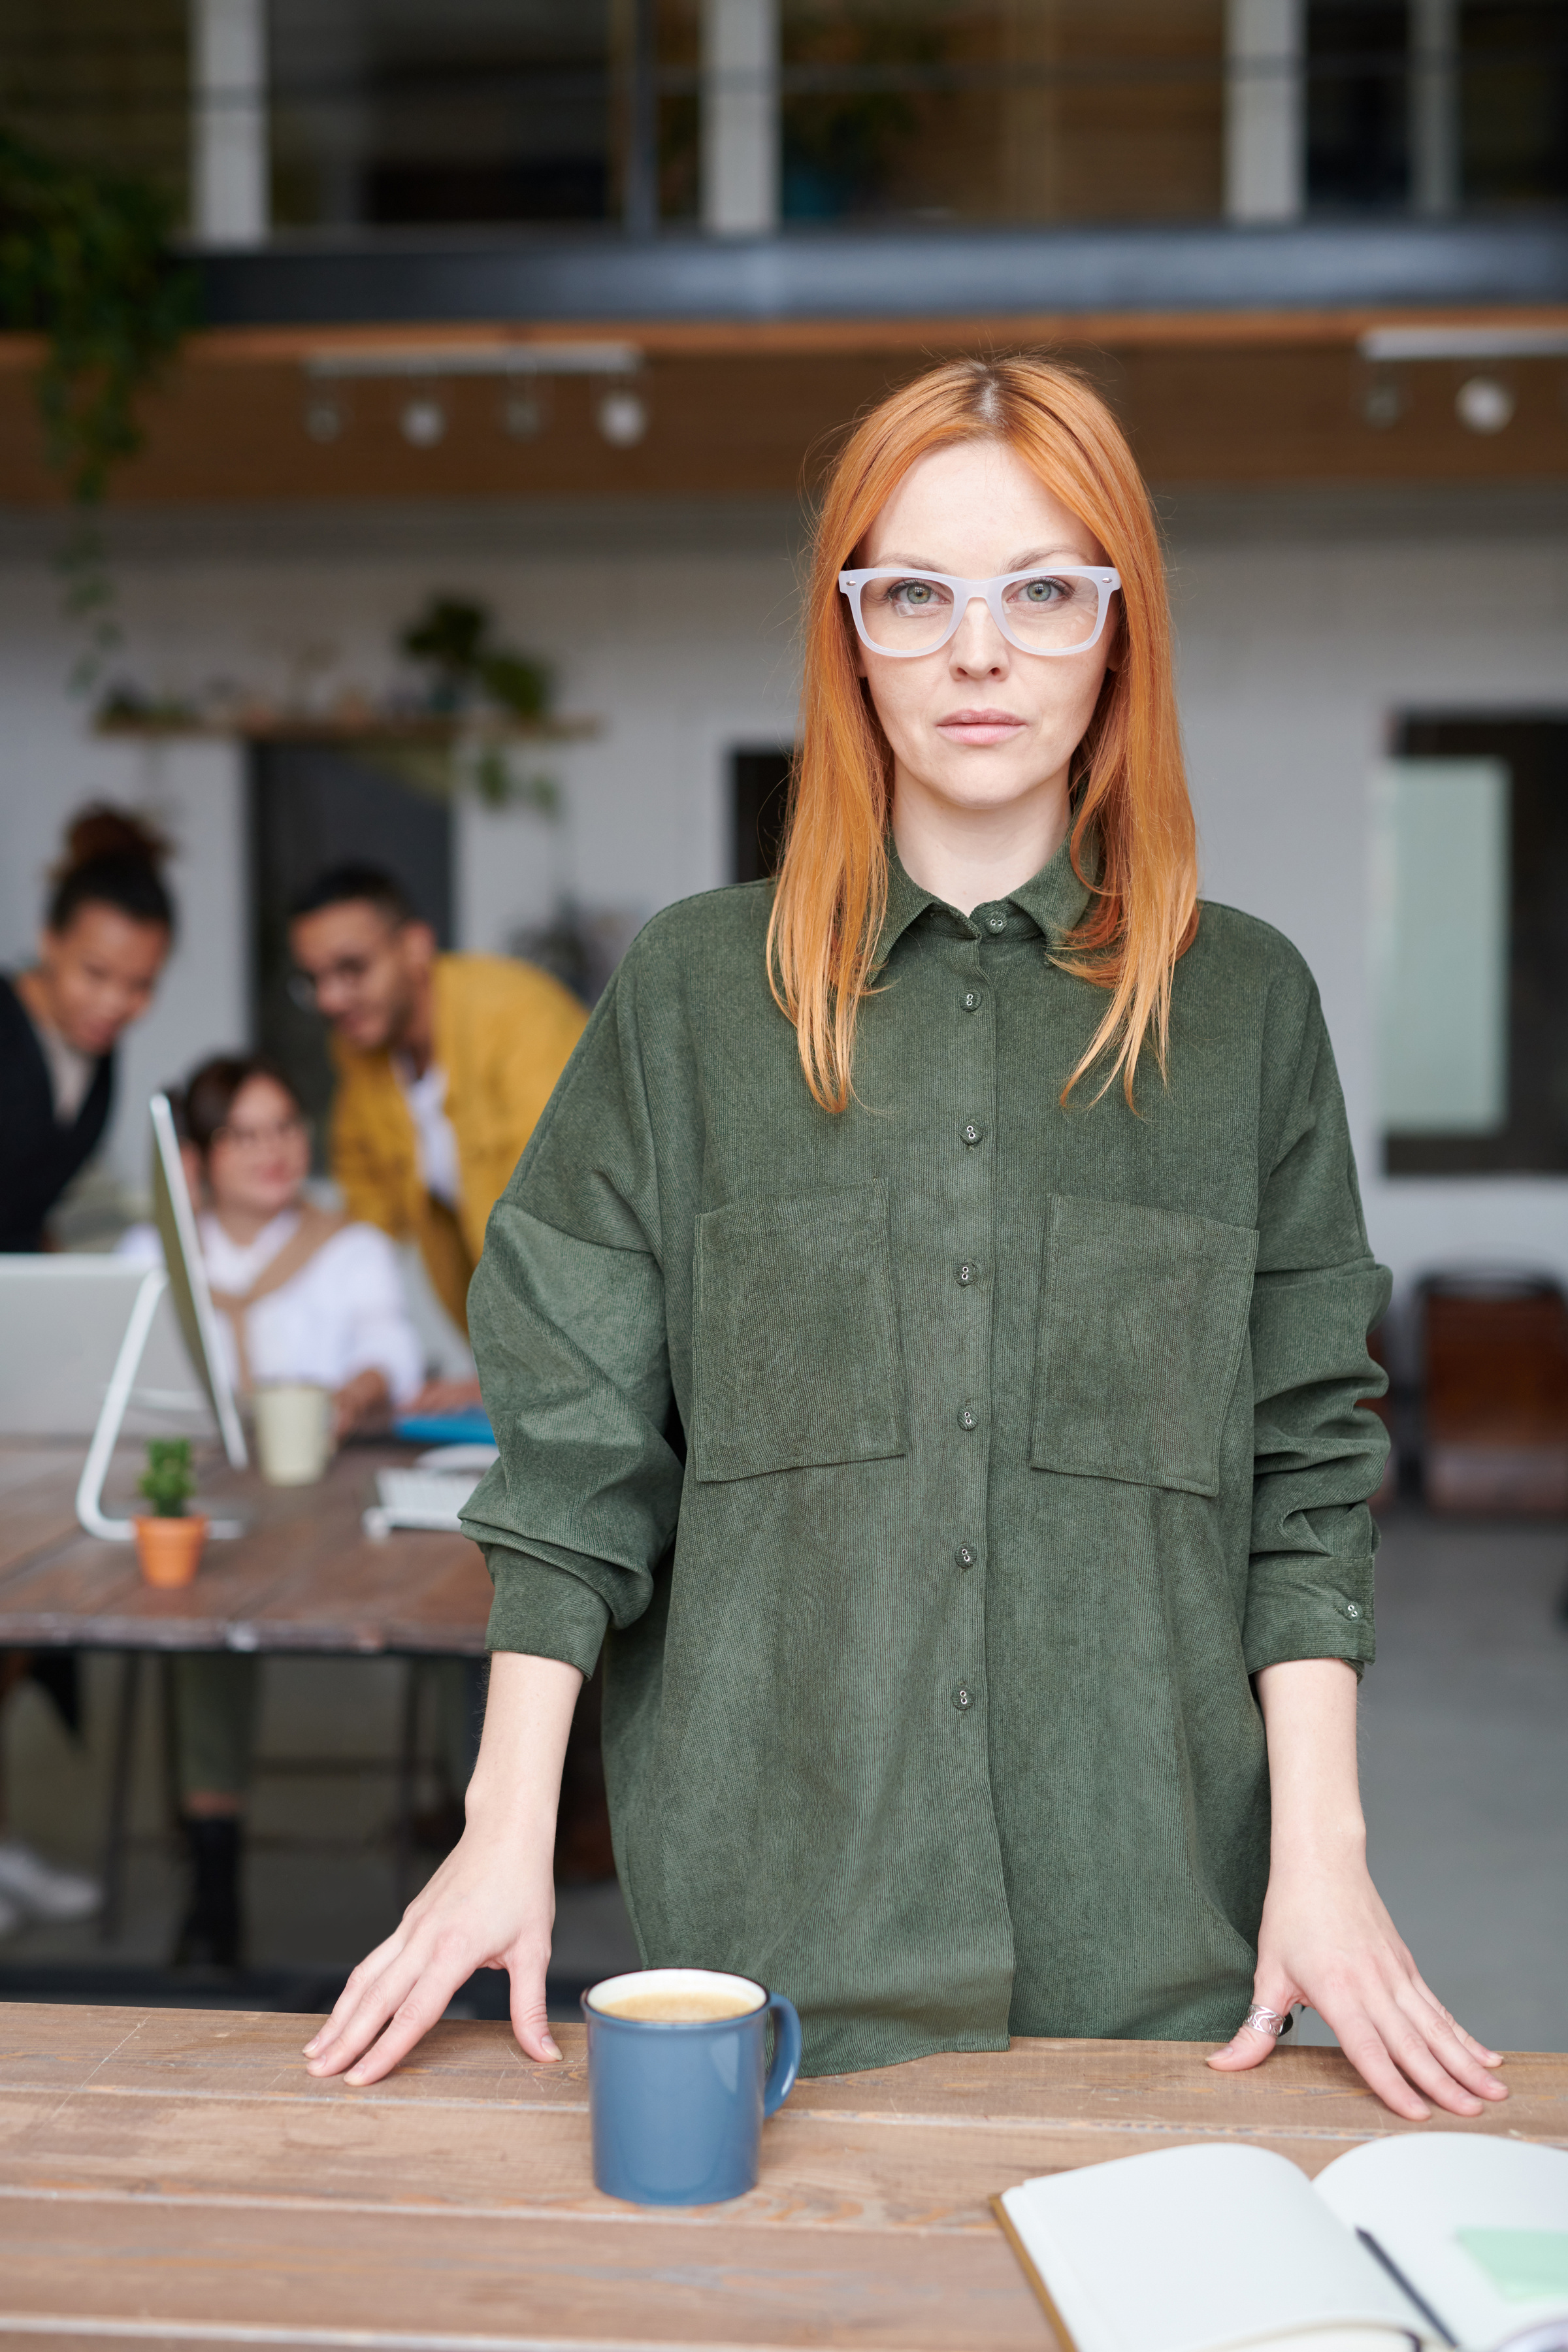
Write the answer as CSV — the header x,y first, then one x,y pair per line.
x,y
444,1063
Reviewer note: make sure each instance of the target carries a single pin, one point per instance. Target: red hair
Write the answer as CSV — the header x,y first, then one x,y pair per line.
x,y
1133,841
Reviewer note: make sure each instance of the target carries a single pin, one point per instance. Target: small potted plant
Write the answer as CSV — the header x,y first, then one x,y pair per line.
x,y
169,1538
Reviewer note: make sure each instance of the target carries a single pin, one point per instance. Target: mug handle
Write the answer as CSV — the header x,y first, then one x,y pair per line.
x,y
786,2054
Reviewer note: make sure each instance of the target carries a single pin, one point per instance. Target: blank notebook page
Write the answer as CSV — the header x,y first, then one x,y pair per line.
x,y
1195,2249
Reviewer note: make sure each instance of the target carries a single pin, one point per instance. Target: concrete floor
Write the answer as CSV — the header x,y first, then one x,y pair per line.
x,y
1465,1749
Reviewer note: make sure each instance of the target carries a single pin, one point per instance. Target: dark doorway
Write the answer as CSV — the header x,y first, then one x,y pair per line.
x,y
759,798
314,805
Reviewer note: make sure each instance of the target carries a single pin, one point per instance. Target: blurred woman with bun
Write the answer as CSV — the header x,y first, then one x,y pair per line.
x,y
107,932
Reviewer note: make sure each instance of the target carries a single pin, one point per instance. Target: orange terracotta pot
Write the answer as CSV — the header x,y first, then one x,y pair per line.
x,y
170,1551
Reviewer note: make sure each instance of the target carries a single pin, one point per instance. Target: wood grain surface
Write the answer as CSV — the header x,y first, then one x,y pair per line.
x,y
303,1577
176,2177
743,411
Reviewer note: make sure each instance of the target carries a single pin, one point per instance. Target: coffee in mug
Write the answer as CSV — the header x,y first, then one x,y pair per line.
x,y
689,2005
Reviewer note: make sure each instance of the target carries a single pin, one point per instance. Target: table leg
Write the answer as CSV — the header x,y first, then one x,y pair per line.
x,y
117,1824
407,1781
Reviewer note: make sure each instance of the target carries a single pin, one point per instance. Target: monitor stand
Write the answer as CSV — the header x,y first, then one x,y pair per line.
x,y
105,1436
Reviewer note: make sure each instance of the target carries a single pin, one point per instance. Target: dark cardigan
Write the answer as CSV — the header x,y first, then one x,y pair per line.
x,y
38,1157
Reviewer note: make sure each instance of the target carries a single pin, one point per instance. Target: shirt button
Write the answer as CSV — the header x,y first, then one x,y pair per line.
x,y
972,1131
963,1699
1353,1609
970,1000
998,922
968,1273
967,1555
969,1418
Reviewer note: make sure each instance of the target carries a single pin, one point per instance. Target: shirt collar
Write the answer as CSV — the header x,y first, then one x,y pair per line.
x,y
1054,899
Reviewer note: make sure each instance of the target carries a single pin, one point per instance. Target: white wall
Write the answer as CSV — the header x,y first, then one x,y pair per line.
x,y
1295,655
1304,626
680,654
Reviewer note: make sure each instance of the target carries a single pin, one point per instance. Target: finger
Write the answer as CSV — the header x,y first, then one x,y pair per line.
x,y
422,2005
1477,2049
1249,2046
530,2018
378,2002
1413,2053
370,1969
1363,2045
1449,2044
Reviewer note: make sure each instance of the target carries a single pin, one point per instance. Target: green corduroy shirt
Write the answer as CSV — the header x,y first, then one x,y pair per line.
x,y
934,1475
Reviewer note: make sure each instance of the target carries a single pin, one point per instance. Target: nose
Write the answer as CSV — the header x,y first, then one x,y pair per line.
x,y
978,646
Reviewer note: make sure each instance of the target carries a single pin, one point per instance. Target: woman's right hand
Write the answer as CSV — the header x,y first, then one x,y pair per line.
x,y
492,1904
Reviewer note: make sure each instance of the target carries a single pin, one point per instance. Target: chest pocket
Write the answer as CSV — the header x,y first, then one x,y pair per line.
x,y
796,1344
1143,1317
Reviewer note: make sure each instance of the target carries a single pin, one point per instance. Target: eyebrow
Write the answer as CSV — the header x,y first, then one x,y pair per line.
x,y
1019,563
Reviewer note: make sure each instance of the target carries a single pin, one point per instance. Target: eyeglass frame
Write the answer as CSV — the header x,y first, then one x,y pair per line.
x,y
252,1139
989,593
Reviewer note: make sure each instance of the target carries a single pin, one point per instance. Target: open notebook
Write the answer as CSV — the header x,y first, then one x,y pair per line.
x,y
1425,2239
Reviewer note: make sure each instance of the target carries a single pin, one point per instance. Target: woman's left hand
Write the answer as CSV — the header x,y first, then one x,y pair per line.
x,y
362,1399
1327,1939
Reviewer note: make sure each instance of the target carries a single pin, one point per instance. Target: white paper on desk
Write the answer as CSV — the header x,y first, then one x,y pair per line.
x,y
1415,2190
1201,2250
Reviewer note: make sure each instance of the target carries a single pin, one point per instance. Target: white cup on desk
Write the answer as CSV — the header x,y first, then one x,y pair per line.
x,y
293,1431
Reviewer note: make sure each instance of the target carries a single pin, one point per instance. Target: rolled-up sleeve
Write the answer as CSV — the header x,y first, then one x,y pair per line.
x,y
1318,1449
567,1319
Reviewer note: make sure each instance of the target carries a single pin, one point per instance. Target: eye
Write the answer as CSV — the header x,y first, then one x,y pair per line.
x,y
1042,591
913,595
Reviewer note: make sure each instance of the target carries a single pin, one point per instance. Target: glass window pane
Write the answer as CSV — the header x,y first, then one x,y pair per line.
x,y
1002,110
101,82
477,111
1440,944
1513,94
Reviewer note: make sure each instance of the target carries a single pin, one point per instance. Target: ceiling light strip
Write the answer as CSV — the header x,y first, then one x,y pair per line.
x,y
342,366
1391,343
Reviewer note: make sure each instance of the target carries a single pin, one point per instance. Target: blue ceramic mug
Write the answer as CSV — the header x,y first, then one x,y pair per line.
x,y
675,2082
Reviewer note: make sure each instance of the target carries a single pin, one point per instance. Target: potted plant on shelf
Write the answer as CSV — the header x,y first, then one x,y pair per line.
x,y
169,1538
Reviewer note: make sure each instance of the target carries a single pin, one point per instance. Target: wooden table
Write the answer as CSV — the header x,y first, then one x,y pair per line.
x,y
178,2179
304,1578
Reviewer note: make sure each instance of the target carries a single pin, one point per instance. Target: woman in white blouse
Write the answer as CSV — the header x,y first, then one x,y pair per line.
x,y
302,1295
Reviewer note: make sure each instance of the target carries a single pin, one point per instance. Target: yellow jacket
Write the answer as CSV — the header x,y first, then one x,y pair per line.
x,y
503,1033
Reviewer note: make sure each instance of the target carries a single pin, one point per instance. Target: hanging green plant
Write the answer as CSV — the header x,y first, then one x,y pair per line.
x,y
85,261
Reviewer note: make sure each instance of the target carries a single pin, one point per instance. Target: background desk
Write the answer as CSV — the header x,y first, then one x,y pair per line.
x,y
303,1577
178,2179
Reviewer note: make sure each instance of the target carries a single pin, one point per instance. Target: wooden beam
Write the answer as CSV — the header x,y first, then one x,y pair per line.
x,y
746,412
1209,330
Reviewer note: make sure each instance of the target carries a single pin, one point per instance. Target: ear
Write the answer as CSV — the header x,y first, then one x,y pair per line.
x,y
418,946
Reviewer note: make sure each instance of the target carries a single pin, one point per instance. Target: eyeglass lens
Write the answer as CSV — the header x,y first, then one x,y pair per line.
x,y
262,1138
305,987
909,611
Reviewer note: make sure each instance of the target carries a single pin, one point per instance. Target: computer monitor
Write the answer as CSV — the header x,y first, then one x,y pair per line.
x,y
91,1344
188,1287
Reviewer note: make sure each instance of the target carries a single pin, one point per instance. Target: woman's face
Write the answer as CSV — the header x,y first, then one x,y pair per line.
x,y
977,725
261,1156
99,974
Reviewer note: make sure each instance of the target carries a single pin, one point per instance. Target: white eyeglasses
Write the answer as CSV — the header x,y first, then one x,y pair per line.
x,y
1057,610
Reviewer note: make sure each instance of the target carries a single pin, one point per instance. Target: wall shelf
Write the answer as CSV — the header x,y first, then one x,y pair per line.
x,y
359,731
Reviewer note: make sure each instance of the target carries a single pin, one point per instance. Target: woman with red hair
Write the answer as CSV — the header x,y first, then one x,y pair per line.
x,y
926,1340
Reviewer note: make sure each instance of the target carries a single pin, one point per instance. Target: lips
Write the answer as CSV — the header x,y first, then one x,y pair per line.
x,y
980,726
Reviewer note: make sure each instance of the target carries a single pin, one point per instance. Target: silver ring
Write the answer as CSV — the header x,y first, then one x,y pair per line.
x,y
1265,2020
